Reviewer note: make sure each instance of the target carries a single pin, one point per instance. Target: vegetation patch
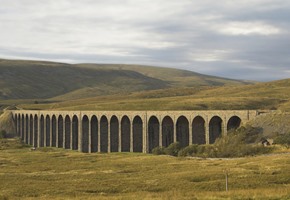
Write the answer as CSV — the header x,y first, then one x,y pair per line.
x,y
245,141
283,139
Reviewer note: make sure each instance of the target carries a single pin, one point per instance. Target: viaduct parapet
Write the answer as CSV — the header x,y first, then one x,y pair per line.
x,y
125,131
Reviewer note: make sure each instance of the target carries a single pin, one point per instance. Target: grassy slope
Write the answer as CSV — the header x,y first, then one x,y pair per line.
x,y
37,79
177,77
51,173
27,79
272,95
78,88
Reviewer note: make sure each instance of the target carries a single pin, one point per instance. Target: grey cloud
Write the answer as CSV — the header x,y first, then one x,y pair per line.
x,y
183,34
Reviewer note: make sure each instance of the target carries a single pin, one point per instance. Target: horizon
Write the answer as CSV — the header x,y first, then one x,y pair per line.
x,y
246,40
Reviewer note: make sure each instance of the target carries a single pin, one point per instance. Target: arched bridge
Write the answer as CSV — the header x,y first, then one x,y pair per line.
x,y
124,131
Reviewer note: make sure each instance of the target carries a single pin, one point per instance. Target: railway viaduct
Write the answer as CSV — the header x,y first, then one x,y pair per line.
x,y
124,131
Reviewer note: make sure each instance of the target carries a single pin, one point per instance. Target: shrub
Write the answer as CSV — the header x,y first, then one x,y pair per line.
x,y
283,139
252,149
172,149
158,151
188,151
3,134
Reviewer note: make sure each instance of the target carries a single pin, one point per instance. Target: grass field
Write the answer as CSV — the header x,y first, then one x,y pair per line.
x,y
51,173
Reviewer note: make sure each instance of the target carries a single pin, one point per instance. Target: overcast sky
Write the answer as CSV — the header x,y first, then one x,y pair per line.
x,y
246,39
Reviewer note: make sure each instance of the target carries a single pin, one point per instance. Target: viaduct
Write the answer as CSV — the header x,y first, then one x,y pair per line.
x,y
124,131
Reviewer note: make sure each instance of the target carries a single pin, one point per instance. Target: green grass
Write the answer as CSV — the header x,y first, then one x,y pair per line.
x,y
50,173
272,95
29,80
39,80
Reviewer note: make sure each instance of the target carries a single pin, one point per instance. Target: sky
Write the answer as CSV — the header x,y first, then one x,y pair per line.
x,y
245,39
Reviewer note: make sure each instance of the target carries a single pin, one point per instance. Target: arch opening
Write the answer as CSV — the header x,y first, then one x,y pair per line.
x,y
60,131
75,133
47,131
104,134
234,123
53,131
153,133
22,127
18,126
215,129
26,129
114,134
182,131
94,134
30,129
198,130
35,129
41,131
137,134
167,131
125,134
85,136
67,129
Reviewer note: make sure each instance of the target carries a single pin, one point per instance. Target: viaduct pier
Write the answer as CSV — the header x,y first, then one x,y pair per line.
x,y
125,131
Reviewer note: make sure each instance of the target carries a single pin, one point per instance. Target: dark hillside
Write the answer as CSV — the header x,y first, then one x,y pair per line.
x,y
43,80
22,80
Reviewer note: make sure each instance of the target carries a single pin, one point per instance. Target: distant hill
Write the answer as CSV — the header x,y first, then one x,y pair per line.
x,y
42,80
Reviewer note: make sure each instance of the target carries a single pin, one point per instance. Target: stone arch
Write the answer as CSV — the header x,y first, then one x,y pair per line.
x,y
233,123
35,129
182,131
41,144
60,131
75,132
94,134
85,132
198,130
167,131
114,134
47,131
153,133
31,129
104,134
215,128
125,134
137,134
67,132
26,129
53,131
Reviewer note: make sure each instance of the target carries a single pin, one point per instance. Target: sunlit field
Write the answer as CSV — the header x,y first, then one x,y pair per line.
x,y
51,173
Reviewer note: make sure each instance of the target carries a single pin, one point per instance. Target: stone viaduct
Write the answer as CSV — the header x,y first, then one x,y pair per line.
x,y
124,131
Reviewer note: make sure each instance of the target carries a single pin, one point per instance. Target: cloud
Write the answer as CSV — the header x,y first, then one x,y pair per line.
x,y
224,38
248,28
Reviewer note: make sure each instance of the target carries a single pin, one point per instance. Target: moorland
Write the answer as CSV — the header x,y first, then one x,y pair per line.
x,y
51,173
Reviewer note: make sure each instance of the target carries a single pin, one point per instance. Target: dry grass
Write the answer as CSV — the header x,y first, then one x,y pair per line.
x,y
271,95
51,173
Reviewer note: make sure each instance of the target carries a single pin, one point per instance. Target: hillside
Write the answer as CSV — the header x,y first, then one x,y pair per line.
x,y
130,87
28,80
176,77
41,80
271,95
